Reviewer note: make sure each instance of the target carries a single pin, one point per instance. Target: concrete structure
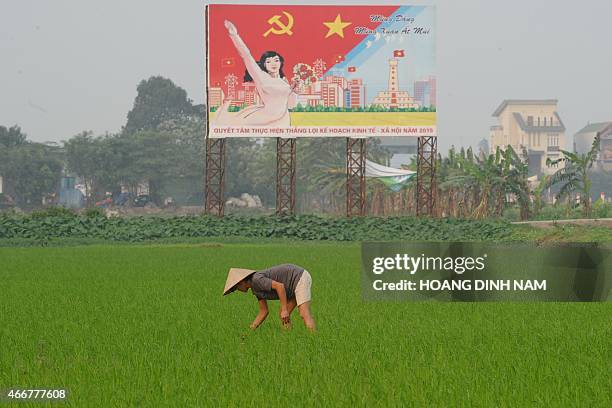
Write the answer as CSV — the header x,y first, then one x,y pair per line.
x,y
534,125
583,141
69,196
393,97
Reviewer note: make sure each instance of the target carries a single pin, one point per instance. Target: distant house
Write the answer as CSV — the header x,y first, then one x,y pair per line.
x,y
583,140
532,124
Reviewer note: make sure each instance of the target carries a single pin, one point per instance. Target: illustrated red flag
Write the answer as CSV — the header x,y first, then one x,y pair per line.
x,y
398,54
298,33
352,69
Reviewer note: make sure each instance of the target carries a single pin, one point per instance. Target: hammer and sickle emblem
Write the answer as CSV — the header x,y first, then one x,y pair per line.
x,y
281,28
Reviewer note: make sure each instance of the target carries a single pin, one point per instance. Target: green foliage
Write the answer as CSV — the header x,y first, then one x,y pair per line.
x,y
158,100
61,223
29,170
173,151
483,182
12,137
53,212
602,209
547,212
574,176
147,326
96,161
251,167
94,212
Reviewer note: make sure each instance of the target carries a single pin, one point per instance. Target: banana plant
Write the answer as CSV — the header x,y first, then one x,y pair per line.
x,y
574,175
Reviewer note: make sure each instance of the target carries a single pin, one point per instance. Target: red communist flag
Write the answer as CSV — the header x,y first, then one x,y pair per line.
x,y
300,34
398,53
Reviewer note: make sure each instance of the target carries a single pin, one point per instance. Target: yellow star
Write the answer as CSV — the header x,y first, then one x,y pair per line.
x,y
336,27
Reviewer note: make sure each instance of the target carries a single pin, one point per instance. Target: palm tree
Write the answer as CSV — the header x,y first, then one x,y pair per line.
x,y
515,173
538,191
482,183
479,177
449,184
574,176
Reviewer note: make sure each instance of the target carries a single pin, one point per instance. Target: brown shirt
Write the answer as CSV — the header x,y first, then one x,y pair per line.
x,y
287,274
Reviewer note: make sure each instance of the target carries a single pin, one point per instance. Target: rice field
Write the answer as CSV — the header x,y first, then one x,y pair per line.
x,y
147,326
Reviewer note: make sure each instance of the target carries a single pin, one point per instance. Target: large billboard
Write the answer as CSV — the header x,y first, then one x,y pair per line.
x,y
320,71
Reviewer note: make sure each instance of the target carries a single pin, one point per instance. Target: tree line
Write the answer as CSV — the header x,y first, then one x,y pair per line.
x,y
484,185
162,145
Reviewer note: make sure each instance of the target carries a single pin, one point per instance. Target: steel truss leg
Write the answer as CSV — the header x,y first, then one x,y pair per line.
x,y
285,176
355,177
215,177
426,176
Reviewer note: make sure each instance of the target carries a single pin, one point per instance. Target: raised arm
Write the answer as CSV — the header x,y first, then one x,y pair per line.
x,y
282,296
251,65
261,316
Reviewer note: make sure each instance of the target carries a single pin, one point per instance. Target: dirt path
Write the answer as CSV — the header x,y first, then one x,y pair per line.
x,y
596,222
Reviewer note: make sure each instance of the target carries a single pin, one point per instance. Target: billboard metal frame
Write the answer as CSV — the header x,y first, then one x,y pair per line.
x,y
426,176
285,176
355,176
214,187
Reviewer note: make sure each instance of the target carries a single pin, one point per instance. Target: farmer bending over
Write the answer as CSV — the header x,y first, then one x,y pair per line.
x,y
288,283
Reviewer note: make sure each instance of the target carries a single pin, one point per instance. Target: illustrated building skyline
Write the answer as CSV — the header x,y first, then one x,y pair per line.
x,y
332,94
215,97
356,94
336,90
425,91
251,96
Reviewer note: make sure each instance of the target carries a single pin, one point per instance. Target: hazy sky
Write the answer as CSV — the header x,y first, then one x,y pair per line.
x,y
73,65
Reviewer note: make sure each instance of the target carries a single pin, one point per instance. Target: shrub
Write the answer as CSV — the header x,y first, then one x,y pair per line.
x,y
300,227
55,211
94,212
602,209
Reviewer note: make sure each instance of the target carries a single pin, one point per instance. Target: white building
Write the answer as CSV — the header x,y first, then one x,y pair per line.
x,y
531,124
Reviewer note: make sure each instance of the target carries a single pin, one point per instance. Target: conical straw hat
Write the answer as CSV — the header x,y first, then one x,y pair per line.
x,y
234,276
